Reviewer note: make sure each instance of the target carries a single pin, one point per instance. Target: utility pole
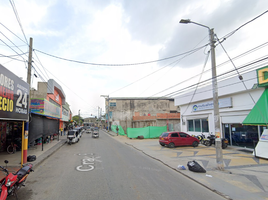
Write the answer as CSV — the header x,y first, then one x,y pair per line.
x,y
219,158
26,128
79,117
107,108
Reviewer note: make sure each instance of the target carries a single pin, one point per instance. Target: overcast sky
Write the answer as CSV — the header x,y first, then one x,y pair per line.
x,y
117,32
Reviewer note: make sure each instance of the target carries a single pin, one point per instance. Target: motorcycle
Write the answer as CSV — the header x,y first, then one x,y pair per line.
x,y
203,140
10,184
212,138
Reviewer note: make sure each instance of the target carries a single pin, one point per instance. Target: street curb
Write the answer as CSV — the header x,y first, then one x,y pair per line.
x,y
213,190
48,153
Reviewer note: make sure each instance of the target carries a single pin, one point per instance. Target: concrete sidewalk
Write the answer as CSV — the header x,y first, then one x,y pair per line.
x,y
14,160
244,176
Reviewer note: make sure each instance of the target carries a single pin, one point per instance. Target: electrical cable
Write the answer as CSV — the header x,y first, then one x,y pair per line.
x,y
13,34
13,50
129,64
241,79
18,18
220,65
226,73
206,60
195,50
233,32
177,63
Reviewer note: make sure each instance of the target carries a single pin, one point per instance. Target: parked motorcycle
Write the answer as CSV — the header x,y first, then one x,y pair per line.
x,y
212,138
12,182
203,140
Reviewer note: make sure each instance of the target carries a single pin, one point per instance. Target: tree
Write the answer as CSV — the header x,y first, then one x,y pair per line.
x,y
76,119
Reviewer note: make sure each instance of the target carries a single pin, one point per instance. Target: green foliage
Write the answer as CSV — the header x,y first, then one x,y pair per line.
x,y
76,119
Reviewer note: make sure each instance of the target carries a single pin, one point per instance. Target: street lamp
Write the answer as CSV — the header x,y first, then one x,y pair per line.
x,y
107,96
219,158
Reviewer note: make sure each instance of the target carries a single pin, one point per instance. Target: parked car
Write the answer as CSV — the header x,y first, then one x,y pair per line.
x,y
173,139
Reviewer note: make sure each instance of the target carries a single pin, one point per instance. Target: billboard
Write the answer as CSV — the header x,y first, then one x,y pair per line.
x,y
14,96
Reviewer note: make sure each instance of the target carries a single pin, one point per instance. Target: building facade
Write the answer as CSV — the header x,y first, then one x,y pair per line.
x,y
50,113
142,112
236,99
14,98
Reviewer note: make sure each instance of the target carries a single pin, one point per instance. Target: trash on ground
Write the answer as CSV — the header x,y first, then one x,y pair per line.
x,y
195,167
181,167
208,175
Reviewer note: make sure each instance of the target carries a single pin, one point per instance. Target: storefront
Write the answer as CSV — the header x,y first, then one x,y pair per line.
x,y
44,119
236,99
14,96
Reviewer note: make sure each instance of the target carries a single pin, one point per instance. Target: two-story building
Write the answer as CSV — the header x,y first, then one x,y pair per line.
x,y
136,112
49,111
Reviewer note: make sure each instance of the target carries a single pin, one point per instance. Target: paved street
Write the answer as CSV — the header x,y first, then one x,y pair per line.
x,y
104,168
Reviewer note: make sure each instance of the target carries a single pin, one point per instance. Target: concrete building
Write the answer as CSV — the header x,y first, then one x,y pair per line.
x,y
142,112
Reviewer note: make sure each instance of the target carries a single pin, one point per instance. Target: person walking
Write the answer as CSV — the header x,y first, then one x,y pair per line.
x,y
117,129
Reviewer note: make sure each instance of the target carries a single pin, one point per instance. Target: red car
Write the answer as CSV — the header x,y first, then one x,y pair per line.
x,y
173,139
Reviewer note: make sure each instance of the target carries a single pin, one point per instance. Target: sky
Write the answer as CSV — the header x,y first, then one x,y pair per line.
x,y
127,48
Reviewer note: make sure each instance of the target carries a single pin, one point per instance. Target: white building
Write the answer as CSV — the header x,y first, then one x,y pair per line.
x,y
236,99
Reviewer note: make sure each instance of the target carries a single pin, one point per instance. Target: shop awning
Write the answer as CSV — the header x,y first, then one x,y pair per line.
x,y
259,113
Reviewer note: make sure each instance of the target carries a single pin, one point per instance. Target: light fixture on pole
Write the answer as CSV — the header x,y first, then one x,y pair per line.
x,y
107,109
218,135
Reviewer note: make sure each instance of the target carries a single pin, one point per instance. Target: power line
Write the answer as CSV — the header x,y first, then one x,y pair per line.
x,y
18,18
191,52
221,75
129,64
220,65
233,32
14,34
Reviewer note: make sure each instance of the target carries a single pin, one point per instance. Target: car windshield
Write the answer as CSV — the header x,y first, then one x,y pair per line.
x,y
71,132
164,135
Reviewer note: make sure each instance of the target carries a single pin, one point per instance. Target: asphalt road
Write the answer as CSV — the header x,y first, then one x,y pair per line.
x,y
103,168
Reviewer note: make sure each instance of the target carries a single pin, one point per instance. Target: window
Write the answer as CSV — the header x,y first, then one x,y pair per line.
x,y
112,104
198,125
174,135
205,125
190,125
164,135
183,134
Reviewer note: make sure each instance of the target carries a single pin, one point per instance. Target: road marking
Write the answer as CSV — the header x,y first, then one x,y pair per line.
x,y
88,162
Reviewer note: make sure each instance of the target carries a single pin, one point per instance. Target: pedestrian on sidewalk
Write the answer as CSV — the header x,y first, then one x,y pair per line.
x,y
117,129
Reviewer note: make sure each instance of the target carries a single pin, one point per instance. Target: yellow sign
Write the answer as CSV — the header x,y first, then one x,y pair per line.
x,y
263,76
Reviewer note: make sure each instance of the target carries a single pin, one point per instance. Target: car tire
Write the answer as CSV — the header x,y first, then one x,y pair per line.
x,y
171,145
195,144
162,144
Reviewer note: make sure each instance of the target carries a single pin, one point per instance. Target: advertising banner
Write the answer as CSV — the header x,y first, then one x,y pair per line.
x,y
14,96
44,107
